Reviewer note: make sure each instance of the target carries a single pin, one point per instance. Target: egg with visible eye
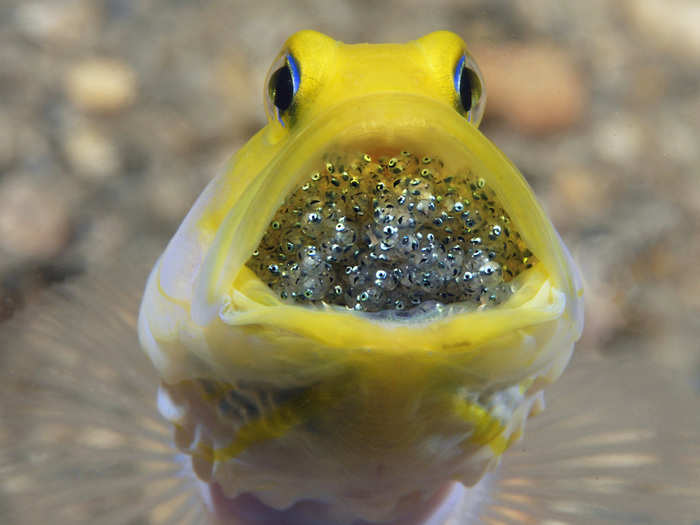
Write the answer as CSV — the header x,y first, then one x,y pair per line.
x,y
364,307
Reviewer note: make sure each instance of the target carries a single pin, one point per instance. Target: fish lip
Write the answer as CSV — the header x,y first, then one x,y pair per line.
x,y
535,305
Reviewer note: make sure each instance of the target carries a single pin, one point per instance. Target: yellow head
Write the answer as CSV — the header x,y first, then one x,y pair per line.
x,y
331,74
340,394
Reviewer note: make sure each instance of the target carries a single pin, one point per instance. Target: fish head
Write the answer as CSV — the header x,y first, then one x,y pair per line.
x,y
367,302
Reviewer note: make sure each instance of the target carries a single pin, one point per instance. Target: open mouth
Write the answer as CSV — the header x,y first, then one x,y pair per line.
x,y
393,233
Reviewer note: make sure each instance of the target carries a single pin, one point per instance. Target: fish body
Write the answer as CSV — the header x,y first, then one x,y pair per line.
x,y
365,306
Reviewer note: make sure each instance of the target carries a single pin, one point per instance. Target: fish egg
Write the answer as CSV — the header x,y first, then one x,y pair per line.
x,y
369,237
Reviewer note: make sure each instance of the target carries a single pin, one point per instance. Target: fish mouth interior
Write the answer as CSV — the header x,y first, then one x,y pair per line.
x,y
394,231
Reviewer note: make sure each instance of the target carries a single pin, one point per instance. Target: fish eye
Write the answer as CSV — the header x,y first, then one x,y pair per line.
x,y
282,85
469,88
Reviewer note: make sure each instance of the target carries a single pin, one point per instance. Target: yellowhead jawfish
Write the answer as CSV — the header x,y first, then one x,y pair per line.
x,y
351,326
365,306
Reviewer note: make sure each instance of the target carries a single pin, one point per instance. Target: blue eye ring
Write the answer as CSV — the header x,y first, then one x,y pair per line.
x,y
458,73
469,88
283,86
296,77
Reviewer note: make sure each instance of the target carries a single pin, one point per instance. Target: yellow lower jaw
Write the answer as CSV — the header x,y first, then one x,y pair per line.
x,y
344,336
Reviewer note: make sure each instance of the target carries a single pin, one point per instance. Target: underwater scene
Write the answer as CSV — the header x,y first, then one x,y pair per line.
x,y
342,263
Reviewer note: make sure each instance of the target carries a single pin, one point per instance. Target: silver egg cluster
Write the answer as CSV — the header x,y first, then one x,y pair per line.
x,y
396,235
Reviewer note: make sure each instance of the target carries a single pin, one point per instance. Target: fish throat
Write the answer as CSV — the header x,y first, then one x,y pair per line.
x,y
395,235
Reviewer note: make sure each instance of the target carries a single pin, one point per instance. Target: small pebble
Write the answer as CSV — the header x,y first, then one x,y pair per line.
x,y
619,139
101,85
534,88
169,193
8,142
34,220
578,195
91,154
104,239
672,24
57,23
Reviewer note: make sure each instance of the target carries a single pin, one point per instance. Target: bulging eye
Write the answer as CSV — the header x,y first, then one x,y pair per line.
x,y
469,87
282,85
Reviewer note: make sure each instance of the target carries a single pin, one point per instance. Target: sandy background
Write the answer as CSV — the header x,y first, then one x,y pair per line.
x,y
115,113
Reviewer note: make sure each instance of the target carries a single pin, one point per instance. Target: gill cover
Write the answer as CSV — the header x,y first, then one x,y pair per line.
x,y
300,400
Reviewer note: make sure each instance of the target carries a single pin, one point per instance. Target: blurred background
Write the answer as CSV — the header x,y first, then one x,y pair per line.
x,y
114,114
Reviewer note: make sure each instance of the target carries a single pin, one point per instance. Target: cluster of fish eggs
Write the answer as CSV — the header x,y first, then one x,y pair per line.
x,y
397,235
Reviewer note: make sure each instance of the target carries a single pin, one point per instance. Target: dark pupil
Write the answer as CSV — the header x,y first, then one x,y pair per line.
x,y
465,89
282,88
